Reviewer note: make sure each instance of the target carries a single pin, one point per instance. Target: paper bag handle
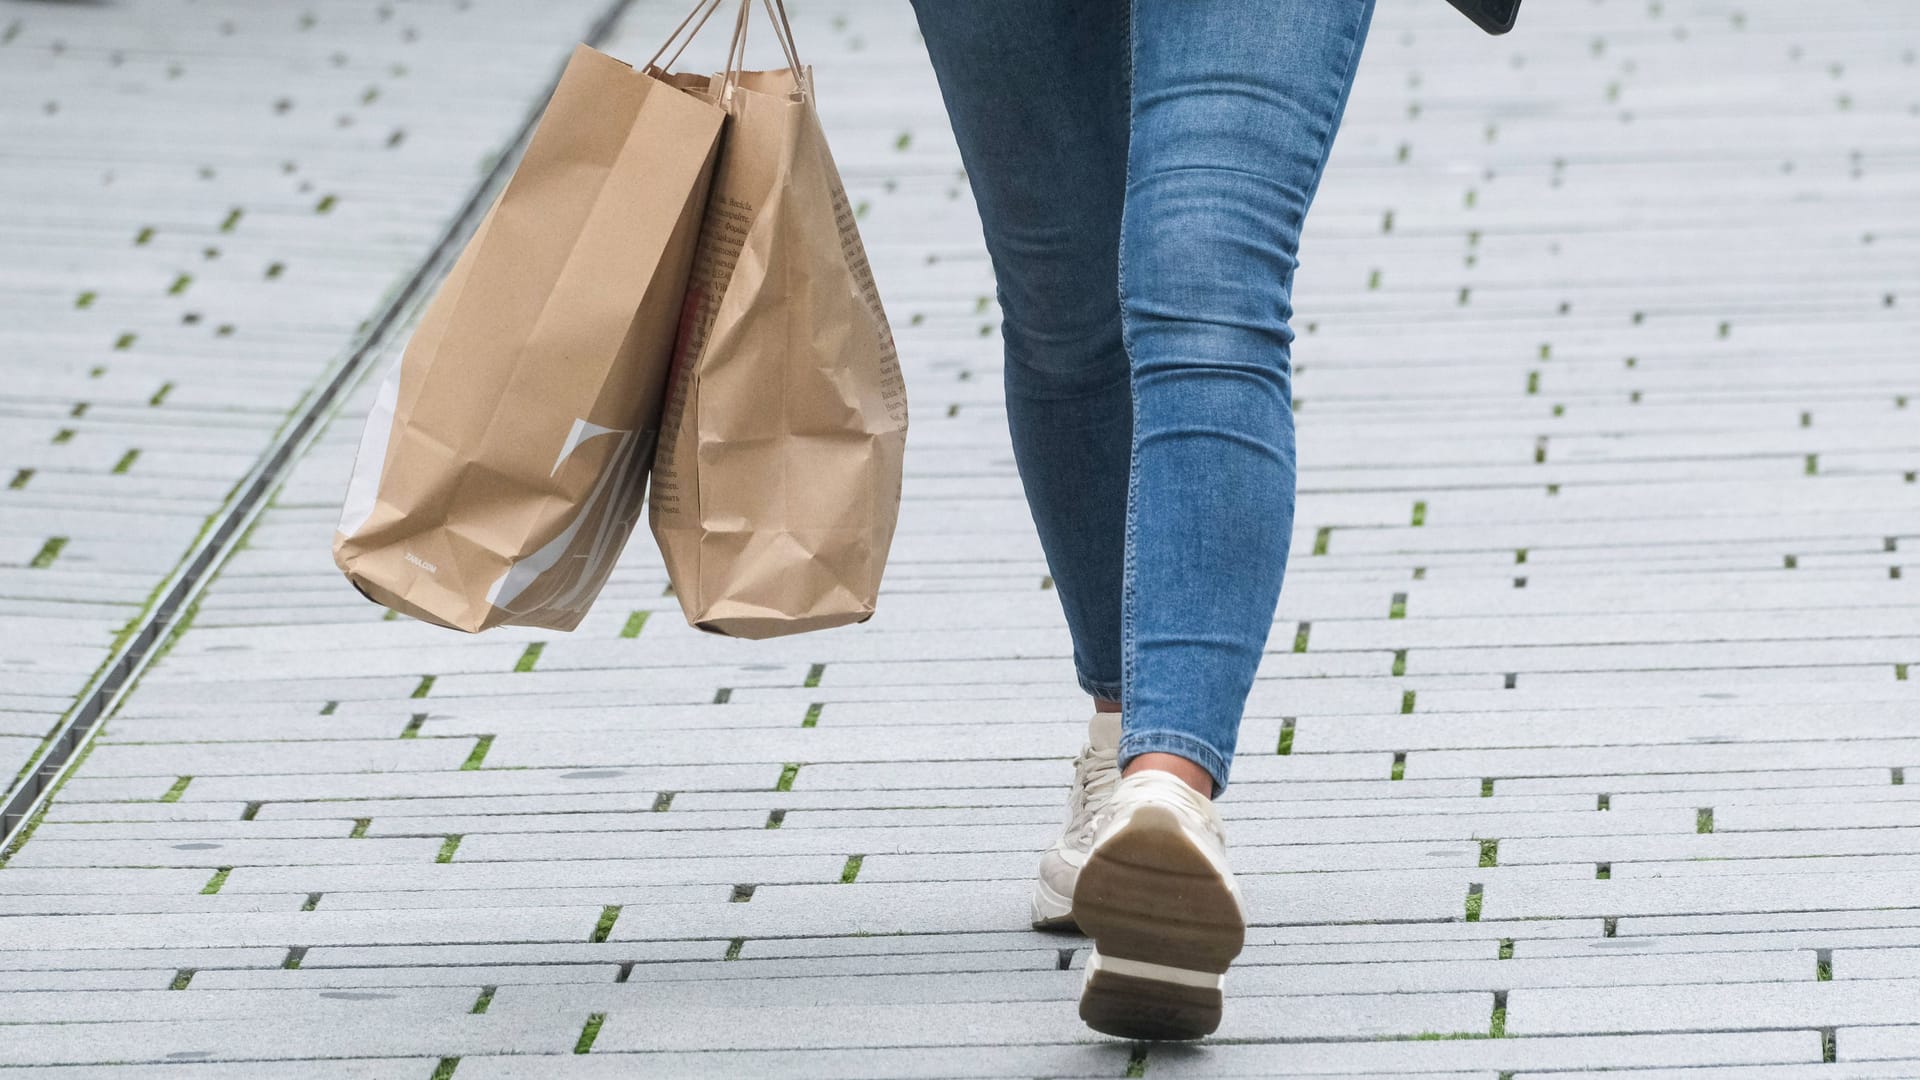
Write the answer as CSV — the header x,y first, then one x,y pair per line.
x,y
696,19
704,9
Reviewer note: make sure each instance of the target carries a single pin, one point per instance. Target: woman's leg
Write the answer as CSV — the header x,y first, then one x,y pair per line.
x,y
1235,105
1037,91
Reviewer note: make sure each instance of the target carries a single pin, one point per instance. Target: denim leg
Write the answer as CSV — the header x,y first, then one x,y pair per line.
x,y
1037,92
1235,106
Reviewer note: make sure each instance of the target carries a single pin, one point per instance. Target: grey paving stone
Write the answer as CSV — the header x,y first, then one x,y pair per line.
x,y
109,1006
471,977
162,957
1843,1070
153,979
336,1069
322,927
1748,1006
1504,1055
866,1064
284,1039
1891,1042
216,853
532,873
649,1026
134,904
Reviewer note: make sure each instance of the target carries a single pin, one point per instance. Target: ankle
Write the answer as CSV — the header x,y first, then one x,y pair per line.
x,y
1188,772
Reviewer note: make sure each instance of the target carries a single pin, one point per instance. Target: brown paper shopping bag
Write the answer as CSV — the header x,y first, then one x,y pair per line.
x,y
777,484
502,469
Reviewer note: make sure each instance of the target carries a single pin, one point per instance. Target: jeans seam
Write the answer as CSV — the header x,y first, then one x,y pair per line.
x,y
1127,568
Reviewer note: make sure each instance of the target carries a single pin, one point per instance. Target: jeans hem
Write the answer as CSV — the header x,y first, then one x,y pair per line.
x,y
1105,691
1135,743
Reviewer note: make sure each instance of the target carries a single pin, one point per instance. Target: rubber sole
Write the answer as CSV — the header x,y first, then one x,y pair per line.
x,y
1165,924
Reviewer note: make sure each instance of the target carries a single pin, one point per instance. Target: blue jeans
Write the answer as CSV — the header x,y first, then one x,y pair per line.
x,y
1143,169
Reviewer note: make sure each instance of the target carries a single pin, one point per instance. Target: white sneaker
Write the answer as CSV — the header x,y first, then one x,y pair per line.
x,y
1095,773
1165,916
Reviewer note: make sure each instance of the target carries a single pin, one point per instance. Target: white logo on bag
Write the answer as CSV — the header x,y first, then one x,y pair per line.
x,y
423,564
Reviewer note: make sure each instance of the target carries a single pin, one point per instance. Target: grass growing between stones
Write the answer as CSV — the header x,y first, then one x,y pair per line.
x,y
215,882
787,777
485,999
479,754
812,718
178,789
1489,853
608,916
444,1070
635,623
530,656
1473,902
48,552
181,979
852,870
1286,737
1137,1061
451,845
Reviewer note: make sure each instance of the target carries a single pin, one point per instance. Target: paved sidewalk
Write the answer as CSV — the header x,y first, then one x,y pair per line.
x,y
1580,744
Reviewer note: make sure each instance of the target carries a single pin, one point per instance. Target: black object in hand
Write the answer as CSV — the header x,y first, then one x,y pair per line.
x,y
1493,16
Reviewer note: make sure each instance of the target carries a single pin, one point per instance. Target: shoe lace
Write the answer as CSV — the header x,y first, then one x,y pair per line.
x,y
1096,772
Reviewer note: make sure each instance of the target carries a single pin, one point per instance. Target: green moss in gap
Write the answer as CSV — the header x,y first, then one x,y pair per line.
x,y
852,869
589,1033
1286,737
447,848
1489,853
787,776
608,916
214,883
635,622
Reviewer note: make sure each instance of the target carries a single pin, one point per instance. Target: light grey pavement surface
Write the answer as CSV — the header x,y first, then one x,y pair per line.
x,y
1581,743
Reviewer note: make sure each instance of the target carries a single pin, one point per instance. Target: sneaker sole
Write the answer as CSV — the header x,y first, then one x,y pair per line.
x,y
1165,924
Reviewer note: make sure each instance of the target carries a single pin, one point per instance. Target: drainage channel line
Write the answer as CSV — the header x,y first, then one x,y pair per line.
x,y
243,507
